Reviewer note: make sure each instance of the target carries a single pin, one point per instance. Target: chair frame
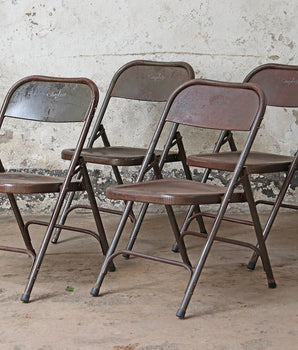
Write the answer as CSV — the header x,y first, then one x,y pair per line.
x,y
99,131
77,164
273,98
239,174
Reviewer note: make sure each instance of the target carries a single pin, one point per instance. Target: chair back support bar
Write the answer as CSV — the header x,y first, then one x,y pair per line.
x,y
50,99
278,82
149,80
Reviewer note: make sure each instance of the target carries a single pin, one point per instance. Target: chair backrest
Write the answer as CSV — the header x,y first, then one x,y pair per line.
x,y
216,105
279,83
50,99
213,105
149,80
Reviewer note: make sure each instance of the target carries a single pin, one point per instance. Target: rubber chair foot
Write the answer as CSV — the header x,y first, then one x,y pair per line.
x,y
25,298
180,313
251,265
126,256
175,248
271,284
94,292
112,268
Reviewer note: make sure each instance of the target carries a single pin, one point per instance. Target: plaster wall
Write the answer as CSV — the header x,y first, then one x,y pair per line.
x,y
222,40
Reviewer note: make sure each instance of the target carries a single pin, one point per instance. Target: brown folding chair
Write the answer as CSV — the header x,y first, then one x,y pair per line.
x,y
148,81
279,83
205,104
58,100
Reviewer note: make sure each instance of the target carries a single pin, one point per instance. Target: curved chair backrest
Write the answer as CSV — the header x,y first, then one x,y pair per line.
x,y
149,80
216,105
50,99
279,83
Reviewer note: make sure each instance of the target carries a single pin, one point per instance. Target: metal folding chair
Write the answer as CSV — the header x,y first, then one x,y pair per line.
x,y
205,104
58,100
149,81
279,83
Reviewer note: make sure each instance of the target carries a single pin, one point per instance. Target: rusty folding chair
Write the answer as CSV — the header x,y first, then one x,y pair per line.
x,y
205,104
279,83
58,100
149,81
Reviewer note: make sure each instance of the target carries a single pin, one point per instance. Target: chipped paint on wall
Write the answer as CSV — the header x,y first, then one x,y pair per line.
x,y
221,40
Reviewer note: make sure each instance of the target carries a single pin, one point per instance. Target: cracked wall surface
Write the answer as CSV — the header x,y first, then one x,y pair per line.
x,y
221,40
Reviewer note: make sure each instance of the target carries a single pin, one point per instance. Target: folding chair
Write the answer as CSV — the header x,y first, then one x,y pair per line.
x,y
148,81
58,100
205,104
279,83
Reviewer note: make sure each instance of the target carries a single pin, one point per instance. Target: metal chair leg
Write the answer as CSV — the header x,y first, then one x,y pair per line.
x,y
258,231
252,263
113,246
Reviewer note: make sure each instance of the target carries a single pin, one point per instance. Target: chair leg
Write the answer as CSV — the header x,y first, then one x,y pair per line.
x,y
176,232
19,219
63,216
136,228
45,242
113,246
95,211
274,211
193,209
259,232
197,272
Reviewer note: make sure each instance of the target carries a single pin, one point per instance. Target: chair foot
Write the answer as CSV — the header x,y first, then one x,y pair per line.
x,y
25,298
94,292
272,284
180,313
112,267
126,256
175,248
251,265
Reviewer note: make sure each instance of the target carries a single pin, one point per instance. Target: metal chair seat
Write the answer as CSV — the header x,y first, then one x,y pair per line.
x,y
116,155
172,192
257,162
24,183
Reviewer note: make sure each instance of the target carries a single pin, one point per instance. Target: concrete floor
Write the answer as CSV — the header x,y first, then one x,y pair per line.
x,y
232,308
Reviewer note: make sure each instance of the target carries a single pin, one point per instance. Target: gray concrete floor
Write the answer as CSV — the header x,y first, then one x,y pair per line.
x,y
232,308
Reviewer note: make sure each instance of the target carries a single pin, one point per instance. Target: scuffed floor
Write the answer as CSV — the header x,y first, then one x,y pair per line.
x,y
232,308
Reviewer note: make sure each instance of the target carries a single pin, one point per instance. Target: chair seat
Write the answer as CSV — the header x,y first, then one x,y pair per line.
x,y
172,192
116,155
257,162
24,183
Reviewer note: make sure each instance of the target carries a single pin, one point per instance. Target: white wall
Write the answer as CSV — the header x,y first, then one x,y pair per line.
x,y
222,40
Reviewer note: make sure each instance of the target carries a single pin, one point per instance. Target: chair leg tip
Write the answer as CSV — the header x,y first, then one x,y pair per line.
x,y
251,265
126,256
175,248
180,313
25,298
112,268
272,284
94,292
